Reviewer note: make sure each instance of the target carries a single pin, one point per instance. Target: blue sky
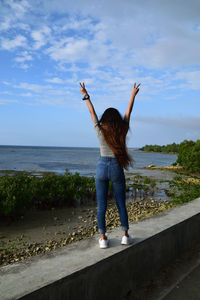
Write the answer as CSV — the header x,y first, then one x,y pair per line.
x,y
47,47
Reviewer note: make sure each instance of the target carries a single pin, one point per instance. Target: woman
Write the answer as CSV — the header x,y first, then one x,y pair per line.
x,y
111,131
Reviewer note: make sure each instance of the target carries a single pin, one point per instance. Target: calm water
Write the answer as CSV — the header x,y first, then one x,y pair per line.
x,y
58,159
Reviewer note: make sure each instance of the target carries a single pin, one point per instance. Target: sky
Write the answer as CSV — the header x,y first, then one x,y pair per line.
x,y
48,47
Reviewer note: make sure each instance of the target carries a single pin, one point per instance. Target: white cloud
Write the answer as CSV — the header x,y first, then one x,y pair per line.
x,y
7,101
115,35
19,8
40,37
22,26
6,82
6,93
25,56
45,90
37,88
24,66
191,78
57,80
5,25
69,50
26,95
10,44
154,34
112,41
77,24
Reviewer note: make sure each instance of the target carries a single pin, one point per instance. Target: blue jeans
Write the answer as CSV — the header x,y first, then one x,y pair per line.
x,y
108,169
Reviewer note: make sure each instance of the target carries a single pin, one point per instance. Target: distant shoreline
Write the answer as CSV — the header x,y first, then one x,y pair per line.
x,y
131,149
173,153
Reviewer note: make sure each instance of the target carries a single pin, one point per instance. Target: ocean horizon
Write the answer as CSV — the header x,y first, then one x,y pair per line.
x,y
36,146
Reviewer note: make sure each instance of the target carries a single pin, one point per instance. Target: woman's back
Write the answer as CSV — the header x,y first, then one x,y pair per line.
x,y
105,150
114,129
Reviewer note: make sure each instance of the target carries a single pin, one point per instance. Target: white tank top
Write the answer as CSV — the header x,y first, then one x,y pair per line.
x,y
104,148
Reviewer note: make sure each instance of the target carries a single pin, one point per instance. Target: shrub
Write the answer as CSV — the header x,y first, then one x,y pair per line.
x,y
15,194
183,191
20,192
189,155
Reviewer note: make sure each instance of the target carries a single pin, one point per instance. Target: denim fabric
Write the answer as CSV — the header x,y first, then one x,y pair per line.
x,y
108,169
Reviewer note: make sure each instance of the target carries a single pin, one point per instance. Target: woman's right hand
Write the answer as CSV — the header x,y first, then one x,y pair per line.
x,y
131,102
83,89
135,89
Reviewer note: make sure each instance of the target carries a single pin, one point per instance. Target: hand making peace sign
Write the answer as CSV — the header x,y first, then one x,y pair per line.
x,y
83,89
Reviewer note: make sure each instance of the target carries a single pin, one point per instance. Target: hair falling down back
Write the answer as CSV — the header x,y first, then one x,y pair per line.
x,y
114,129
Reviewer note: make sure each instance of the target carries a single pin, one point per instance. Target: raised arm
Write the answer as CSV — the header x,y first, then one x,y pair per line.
x,y
88,101
131,102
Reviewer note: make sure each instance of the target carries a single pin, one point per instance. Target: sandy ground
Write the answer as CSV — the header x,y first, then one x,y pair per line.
x,y
43,225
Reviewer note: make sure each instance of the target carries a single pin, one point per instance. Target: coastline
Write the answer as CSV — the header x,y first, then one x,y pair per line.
x,y
176,169
170,167
161,152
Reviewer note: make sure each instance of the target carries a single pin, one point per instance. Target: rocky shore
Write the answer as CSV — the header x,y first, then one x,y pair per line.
x,y
176,167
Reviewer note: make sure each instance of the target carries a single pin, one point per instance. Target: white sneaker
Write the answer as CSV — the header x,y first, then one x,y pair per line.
x,y
126,240
103,243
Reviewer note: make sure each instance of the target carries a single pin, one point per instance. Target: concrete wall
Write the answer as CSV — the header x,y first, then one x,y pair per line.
x,y
116,272
124,272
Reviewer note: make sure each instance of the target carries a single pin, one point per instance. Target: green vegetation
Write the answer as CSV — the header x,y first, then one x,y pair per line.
x,y
23,191
188,153
170,148
142,187
183,190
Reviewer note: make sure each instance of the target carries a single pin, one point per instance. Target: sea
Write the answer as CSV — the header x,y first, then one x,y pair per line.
x,y
75,159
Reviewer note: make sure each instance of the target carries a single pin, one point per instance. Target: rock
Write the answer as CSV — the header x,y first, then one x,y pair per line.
x,y
151,166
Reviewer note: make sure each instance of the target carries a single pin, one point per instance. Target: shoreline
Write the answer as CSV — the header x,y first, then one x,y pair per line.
x,y
170,167
176,169
161,152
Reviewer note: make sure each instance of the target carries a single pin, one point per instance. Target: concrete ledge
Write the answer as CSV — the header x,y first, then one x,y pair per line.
x,y
83,271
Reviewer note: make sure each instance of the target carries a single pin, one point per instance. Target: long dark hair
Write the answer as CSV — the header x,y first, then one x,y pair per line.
x,y
114,129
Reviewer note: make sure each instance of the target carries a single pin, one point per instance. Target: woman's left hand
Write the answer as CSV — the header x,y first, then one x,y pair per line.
x,y
135,89
83,89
